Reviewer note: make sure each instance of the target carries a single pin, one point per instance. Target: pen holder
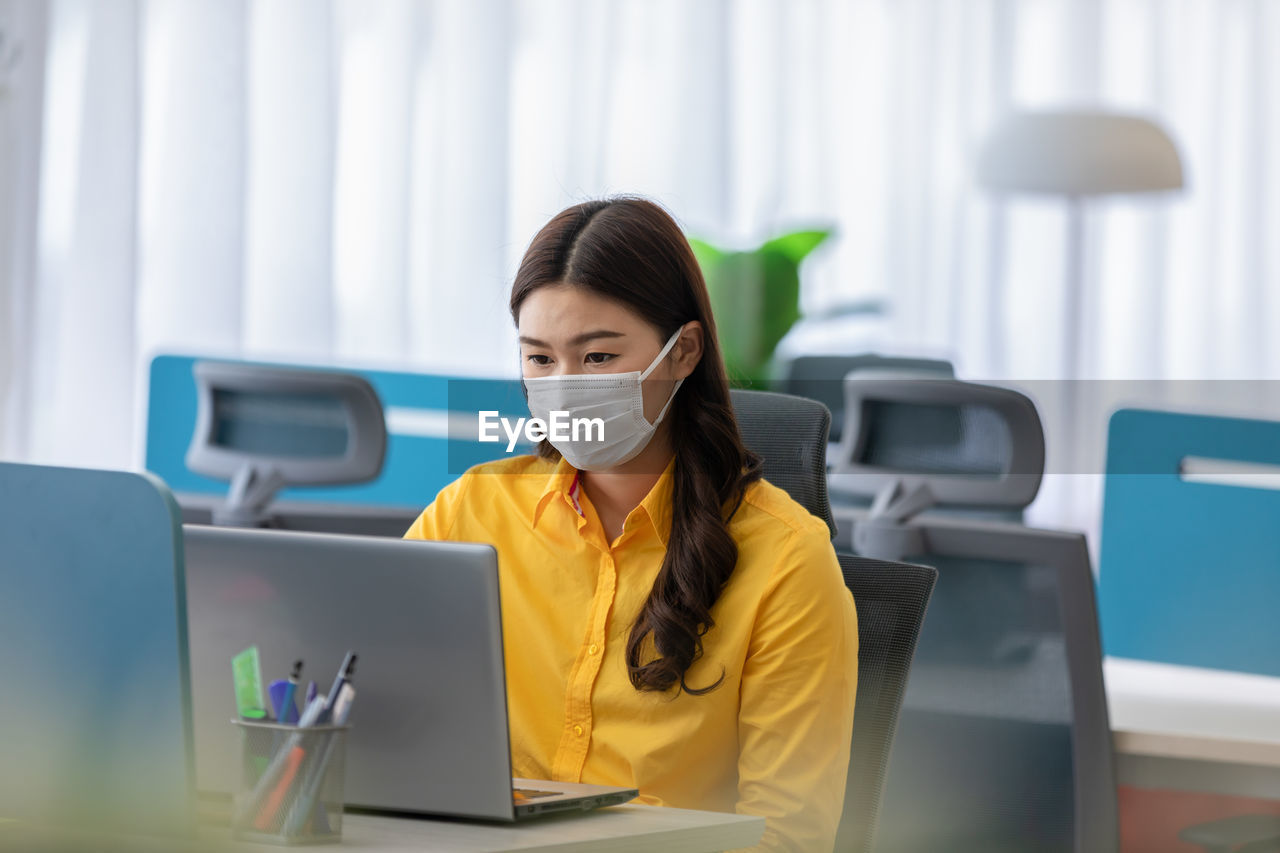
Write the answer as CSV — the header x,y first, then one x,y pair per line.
x,y
291,783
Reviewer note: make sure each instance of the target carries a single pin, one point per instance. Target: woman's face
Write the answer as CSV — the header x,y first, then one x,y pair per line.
x,y
566,330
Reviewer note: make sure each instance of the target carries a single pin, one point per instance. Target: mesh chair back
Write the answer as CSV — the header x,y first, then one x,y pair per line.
x,y
891,599
1005,741
790,435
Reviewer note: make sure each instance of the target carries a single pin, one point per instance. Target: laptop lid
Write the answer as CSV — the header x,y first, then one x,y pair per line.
x,y
429,726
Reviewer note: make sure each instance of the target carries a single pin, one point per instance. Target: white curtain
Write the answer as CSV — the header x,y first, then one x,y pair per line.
x,y
355,180
21,34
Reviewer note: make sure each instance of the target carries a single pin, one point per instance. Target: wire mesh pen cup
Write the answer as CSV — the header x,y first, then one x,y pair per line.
x,y
291,785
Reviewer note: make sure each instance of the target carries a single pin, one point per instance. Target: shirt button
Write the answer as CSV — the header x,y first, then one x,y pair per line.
x,y
577,730
593,649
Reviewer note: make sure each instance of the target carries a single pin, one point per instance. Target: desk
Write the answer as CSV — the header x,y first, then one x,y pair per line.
x,y
351,519
620,829
1194,729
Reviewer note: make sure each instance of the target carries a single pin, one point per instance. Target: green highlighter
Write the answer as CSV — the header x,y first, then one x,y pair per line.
x,y
246,668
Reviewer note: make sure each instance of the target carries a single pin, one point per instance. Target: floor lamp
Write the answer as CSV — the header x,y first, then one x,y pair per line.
x,y
1077,154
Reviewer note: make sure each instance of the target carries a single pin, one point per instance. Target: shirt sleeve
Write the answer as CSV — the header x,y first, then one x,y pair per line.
x,y
798,688
437,521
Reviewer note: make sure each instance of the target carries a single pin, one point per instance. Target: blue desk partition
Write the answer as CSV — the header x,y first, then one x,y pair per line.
x,y
95,716
423,454
1190,570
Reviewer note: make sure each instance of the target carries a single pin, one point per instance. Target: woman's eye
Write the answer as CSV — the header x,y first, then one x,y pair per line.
x,y
540,360
599,357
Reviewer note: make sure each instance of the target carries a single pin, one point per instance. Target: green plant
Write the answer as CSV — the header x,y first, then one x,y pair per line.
x,y
755,298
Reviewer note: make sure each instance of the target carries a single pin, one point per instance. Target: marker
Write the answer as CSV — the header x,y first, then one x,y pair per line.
x,y
282,695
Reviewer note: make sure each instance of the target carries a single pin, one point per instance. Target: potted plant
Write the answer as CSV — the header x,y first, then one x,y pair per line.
x,y
755,298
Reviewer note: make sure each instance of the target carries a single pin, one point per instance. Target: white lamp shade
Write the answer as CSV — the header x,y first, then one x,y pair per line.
x,y
1078,154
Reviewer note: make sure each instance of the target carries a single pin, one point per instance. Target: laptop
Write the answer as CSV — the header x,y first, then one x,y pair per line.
x,y
429,725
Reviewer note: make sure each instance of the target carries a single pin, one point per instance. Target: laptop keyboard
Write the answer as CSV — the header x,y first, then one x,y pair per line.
x,y
524,795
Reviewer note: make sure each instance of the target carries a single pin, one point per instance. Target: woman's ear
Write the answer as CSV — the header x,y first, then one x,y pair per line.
x,y
687,351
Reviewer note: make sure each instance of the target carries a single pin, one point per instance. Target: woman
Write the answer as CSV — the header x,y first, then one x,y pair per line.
x,y
672,621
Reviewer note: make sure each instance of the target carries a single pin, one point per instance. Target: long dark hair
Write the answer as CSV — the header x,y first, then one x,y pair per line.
x,y
630,250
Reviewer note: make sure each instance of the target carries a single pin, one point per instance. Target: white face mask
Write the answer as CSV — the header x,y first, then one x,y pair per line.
x,y
617,399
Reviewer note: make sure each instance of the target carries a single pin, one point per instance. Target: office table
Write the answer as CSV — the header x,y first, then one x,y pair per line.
x,y
1194,729
351,519
620,829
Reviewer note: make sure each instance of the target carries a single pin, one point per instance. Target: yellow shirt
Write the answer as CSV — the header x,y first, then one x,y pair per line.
x,y
772,740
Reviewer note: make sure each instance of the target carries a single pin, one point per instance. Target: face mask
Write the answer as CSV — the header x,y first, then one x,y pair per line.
x,y
616,399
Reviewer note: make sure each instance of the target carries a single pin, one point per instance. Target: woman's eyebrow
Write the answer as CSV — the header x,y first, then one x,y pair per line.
x,y
577,340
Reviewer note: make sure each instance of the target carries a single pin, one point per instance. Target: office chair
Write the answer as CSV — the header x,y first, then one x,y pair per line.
x,y
959,447
264,428
1004,741
821,377
891,599
790,435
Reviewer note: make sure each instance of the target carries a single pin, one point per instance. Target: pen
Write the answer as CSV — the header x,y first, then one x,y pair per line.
x,y
311,693
344,674
306,808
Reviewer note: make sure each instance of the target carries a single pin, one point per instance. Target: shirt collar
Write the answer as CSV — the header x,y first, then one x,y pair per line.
x,y
559,482
656,505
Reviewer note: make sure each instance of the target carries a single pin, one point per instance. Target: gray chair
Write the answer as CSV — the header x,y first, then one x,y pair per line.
x,y
968,448
821,377
265,428
790,435
1004,742
891,599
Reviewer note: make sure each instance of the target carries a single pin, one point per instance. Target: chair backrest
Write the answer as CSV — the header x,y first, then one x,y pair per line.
x,y
891,599
265,428
1004,740
972,445
790,435
821,377
430,422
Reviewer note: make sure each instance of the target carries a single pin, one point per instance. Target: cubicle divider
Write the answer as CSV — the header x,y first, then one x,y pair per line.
x,y
431,424
95,714
1191,541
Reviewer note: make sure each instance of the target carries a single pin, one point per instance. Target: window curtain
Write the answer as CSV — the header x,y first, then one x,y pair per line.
x,y
354,181
21,86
